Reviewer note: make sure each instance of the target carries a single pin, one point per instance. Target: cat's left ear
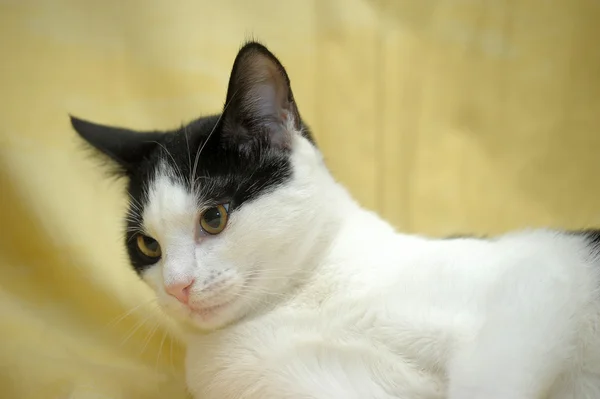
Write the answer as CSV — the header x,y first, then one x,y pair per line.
x,y
126,148
260,103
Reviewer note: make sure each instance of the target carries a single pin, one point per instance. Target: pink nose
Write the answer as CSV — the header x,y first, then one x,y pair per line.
x,y
181,291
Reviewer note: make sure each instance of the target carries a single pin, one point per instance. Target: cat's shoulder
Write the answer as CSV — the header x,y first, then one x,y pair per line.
x,y
586,240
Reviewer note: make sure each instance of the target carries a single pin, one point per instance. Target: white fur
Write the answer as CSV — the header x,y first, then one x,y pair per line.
x,y
330,302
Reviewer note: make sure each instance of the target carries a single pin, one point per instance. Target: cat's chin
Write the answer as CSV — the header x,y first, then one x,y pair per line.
x,y
213,317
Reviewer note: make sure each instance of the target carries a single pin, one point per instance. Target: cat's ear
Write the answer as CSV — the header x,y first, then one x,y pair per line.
x,y
259,103
126,148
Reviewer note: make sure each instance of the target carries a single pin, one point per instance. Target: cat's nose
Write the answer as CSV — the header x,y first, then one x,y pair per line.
x,y
181,291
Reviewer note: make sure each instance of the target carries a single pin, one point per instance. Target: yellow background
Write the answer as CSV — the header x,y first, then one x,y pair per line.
x,y
444,115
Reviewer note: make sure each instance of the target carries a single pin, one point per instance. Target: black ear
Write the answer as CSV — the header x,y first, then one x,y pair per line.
x,y
259,104
127,148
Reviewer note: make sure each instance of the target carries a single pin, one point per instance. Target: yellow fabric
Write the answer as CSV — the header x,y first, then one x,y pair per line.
x,y
444,115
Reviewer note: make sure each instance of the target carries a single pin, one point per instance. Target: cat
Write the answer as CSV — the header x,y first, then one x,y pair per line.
x,y
290,289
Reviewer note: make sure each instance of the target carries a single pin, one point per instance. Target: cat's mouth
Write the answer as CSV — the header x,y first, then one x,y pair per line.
x,y
206,312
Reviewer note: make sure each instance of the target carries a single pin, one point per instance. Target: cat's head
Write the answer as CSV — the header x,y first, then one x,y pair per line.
x,y
228,213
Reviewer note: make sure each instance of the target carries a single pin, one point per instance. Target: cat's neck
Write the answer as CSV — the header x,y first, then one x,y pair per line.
x,y
361,233
356,247
336,265
350,236
336,236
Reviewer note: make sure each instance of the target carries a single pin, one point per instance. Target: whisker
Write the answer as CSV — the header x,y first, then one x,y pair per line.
x,y
133,235
198,178
171,354
137,327
135,203
149,337
269,293
160,347
134,225
187,143
174,163
134,213
268,274
269,277
127,313
211,132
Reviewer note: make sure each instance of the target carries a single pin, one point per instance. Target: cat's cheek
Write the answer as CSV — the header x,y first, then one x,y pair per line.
x,y
154,278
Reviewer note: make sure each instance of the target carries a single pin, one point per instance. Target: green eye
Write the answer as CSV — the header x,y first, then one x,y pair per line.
x,y
148,246
213,220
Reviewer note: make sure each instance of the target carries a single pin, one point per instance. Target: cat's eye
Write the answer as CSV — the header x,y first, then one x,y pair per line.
x,y
213,220
148,246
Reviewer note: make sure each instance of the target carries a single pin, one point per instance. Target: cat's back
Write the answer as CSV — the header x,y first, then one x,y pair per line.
x,y
472,276
460,274
424,299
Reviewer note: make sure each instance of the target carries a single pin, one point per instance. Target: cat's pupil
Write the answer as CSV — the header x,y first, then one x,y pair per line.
x,y
212,217
151,244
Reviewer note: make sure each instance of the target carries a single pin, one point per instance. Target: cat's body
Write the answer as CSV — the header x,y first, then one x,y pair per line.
x,y
383,315
295,291
357,332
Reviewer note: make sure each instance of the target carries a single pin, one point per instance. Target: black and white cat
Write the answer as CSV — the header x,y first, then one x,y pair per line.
x,y
295,291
